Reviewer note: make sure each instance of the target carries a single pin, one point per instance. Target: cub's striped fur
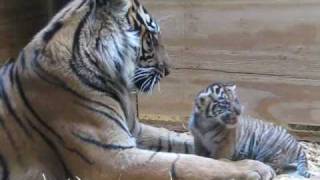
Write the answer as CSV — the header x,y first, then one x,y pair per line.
x,y
220,131
65,109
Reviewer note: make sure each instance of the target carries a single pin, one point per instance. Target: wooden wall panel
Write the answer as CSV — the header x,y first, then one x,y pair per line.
x,y
270,48
21,20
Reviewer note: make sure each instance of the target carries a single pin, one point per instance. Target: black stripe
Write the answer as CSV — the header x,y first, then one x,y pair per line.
x,y
102,145
22,59
169,143
2,122
54,148
48,35
133,125
173,172
152,156
5,169
137,3
159,144
94,63
140,19
186,148
7,103
11,74
136,25
119,123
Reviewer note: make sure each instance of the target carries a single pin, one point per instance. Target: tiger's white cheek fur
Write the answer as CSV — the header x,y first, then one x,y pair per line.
x,y
109,50
134,40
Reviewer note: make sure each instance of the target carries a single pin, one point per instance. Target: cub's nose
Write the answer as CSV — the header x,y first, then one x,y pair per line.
x,y
237,109
166,71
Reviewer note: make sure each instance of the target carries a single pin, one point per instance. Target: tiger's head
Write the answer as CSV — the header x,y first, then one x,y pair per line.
x,y
219,103
152,63
108,44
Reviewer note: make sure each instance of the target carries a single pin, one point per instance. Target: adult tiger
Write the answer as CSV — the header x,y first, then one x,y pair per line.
x,y
65,108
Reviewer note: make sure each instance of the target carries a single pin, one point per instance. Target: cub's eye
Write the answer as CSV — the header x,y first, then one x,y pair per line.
x,y
220,99
202,100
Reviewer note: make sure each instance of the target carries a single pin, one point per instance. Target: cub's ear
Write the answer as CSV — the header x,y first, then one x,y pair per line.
x,y
202,102
231,87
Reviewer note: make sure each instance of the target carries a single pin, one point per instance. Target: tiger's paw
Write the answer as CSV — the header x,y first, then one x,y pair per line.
x,y
255,170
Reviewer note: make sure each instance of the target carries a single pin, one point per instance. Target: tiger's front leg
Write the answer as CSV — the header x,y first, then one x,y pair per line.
x,y
110,158
160,139
138,164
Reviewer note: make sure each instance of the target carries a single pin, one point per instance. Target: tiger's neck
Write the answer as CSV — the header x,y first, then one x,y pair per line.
x,y
49,83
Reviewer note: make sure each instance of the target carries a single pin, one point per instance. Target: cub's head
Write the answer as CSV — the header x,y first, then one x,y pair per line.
x,y
218,103
152,62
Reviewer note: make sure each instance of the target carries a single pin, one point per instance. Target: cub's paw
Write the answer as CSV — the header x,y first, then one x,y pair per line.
x,y
255,170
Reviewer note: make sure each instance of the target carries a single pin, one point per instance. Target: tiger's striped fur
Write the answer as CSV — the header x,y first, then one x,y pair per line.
x,y
220,131
65,103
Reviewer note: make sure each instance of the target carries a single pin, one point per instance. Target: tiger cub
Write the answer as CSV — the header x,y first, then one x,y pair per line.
x,y
221,131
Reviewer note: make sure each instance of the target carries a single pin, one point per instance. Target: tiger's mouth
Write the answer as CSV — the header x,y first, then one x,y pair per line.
x,y
145,79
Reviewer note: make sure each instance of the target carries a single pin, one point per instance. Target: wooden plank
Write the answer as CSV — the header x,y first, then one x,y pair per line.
x,y
277,99
21,20
269,48
277,38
